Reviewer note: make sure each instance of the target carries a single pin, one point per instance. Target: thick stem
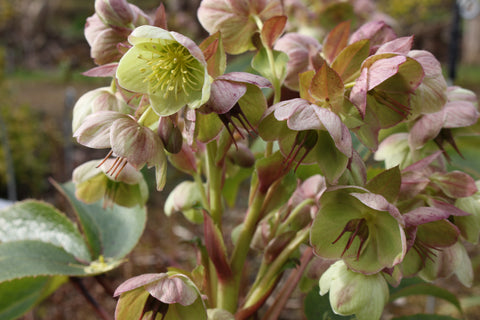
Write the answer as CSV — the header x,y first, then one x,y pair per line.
x,y
214,178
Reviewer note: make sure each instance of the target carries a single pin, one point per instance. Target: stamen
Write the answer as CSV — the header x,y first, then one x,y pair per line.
x,y
237,113
359,228
304,139
105,159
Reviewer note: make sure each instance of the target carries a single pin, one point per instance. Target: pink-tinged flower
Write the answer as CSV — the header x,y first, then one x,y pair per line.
x,y
167,66
360,227
309,134
129,141
107,30
168,295
459,111
354,293
378,32
94,182
303,53
100,99
237,20
238,103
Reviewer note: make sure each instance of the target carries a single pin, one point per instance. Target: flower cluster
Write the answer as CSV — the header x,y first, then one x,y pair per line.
x,y
297,127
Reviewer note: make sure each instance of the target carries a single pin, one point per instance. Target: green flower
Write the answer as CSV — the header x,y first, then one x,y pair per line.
x,y
354,293
167,66
360,227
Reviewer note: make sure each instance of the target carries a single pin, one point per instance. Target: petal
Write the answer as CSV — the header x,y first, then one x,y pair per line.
x,y
138,281
133,70
95,130
172,290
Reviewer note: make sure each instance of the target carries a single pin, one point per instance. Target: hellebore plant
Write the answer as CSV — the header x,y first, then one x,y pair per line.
x,y
347,145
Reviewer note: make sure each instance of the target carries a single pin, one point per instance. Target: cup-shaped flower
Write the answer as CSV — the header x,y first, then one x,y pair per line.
x,y
354,293
308,133
171,295
237,20
360,227
100,99
167,66
130,141
93,182
459,111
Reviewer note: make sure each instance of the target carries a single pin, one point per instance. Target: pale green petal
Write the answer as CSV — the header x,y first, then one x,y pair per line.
x,y
132,70
148,33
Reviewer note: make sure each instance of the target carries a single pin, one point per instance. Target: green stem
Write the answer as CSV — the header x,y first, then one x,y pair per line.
x,y
263,284
292,216
214,178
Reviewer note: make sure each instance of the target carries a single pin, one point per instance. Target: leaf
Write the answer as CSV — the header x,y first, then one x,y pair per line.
x,y
426,289
214,53
327,86
425,317
261,64
111,232
348,62
336,40
318,307
35,220
387,184
272,29
19,295
35,258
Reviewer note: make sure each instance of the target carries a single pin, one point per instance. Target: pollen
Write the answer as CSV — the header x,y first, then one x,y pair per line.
x,y
174,71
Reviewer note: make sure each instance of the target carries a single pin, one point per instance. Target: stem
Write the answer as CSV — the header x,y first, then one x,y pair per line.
x,y
290,284
291,217
264,284
214,178
77,282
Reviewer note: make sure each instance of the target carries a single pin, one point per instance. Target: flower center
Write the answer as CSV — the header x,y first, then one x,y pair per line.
x,y
173,69
358,228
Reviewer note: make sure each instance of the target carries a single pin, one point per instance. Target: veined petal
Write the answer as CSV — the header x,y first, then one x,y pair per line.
x,y
95,130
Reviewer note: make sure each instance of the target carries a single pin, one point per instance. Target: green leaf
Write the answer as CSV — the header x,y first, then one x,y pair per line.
x,y
318,307
19,295
426,289
110,232
35,220
261,64
35,258
425,317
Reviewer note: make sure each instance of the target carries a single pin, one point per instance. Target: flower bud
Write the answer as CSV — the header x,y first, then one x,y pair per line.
x,y
114,12
354,293
170,135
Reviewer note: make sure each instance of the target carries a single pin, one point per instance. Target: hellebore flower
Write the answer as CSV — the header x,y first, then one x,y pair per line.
x,y
237,101
167,66
109,28
459,111
130,141
171,295
303,53
237,20
93,182
382,91
469,225
310,134
100,99
360,227
354,293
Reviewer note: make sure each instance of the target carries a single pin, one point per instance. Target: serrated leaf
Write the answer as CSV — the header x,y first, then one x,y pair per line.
x,y
318,307
426,289
35,258
110,232
35,220
336,40
19,295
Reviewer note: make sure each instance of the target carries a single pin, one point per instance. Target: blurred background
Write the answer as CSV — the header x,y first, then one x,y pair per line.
x,y
43,53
